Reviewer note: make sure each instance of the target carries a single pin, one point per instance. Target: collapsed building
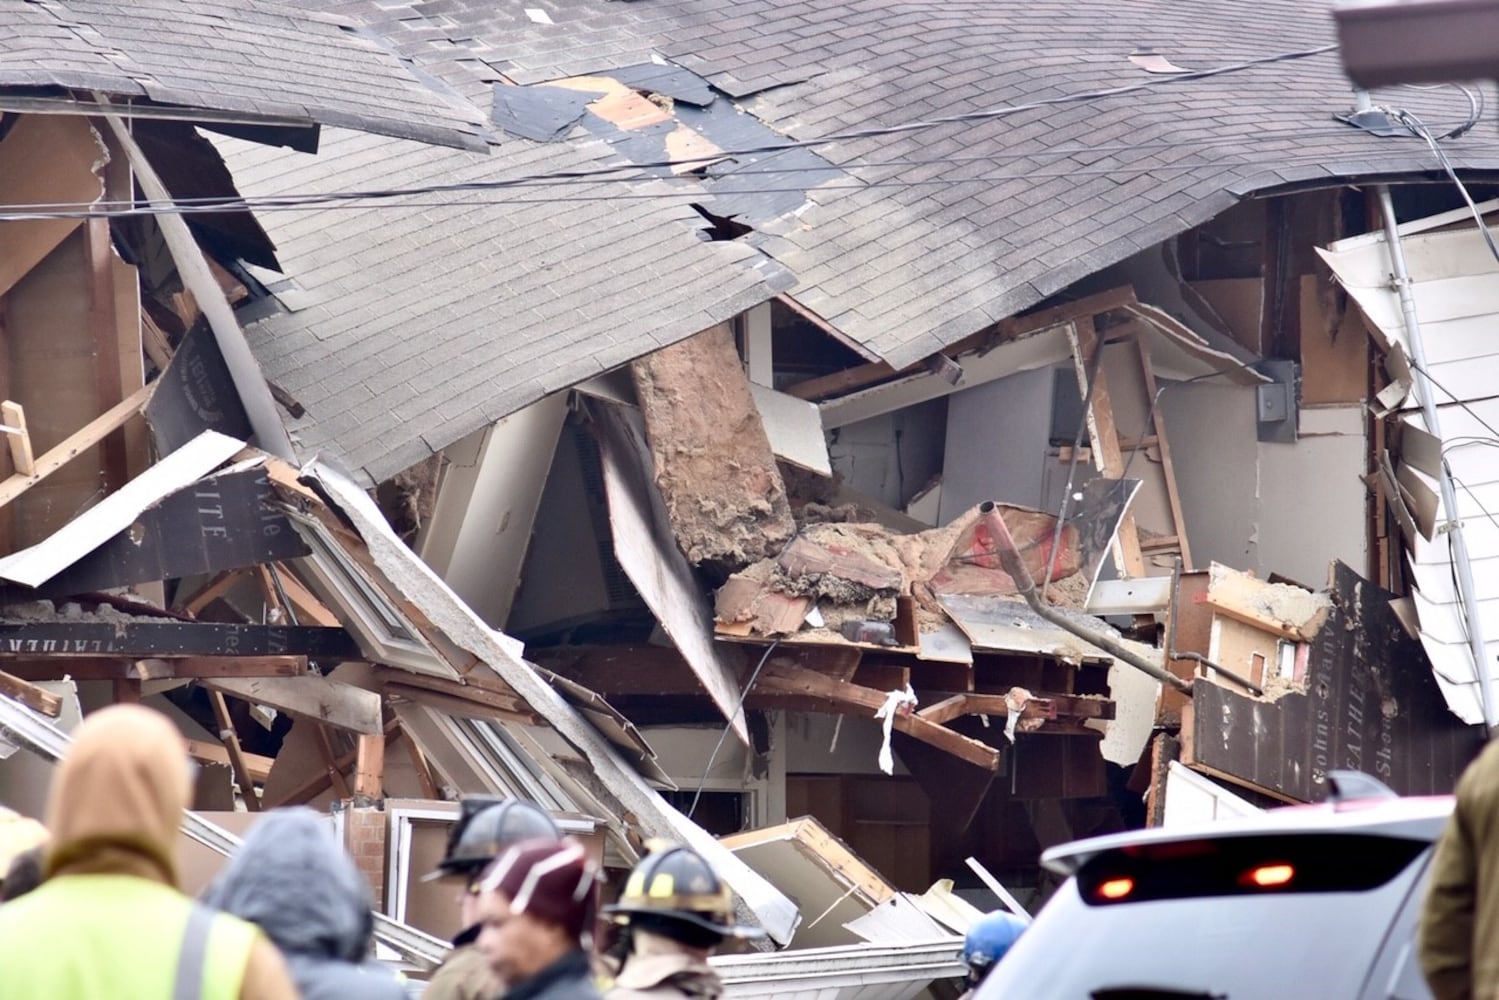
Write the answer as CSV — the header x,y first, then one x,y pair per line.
x,y
697,454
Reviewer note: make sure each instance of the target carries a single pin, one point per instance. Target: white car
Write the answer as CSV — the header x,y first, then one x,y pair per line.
x,y
1304,901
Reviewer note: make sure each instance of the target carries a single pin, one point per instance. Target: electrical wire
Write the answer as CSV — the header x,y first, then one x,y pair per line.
x,y
1419,128
349,200
12,213
739,707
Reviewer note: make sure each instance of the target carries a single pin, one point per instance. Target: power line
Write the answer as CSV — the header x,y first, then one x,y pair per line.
x,y
355,200
972,117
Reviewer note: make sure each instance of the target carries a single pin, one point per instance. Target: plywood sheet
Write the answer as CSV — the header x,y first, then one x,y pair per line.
x,y
1334,346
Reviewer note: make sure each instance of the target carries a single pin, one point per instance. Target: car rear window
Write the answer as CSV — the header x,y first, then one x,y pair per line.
x,y
1228,917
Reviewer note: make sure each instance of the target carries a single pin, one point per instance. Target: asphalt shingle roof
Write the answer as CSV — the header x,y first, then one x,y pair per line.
x,y
253,57
906,255
418,326
922,238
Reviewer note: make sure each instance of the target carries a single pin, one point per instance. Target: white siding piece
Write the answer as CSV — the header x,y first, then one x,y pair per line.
x,y
1457,301
1193,800
36,565
855,972
794,427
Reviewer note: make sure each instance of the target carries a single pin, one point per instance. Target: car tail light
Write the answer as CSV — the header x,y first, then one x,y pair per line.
x,y
1270,876
1116,888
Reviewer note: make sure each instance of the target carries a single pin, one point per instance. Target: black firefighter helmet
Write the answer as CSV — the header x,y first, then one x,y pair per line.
x,y
487,824
674,892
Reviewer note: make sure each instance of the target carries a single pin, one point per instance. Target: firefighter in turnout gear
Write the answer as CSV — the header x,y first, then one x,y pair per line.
x,y
674,911
487,825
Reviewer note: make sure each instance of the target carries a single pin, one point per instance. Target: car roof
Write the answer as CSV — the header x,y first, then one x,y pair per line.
x,y
1414,818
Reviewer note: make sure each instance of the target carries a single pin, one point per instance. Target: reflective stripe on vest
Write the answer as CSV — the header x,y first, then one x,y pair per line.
x,y
121,938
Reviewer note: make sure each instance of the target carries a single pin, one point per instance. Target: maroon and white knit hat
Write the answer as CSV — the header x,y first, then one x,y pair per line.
x,y
550,880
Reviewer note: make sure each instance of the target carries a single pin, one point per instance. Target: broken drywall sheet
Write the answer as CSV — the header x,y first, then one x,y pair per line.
x,y
794,428
1278,608
644,548
411,580
713,463
36,565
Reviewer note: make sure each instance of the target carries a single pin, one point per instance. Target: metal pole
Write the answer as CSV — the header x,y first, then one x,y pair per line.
x,y
1467,593
1010,558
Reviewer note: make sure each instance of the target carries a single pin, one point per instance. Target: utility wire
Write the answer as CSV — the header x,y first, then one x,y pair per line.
x,y
708,768
348,200
971,117
1415,124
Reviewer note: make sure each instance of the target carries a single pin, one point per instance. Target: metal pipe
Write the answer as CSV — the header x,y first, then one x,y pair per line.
x,y
1466,591
1015,566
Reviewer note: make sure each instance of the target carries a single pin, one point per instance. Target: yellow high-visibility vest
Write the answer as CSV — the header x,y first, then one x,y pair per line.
x,y
118,937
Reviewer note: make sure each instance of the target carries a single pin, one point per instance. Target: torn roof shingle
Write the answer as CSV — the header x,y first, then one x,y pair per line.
x,y
416,326
425,325
258,58
988,201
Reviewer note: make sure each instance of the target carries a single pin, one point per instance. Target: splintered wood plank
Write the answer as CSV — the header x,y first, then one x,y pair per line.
x,y
1104,437
13,415
35,698
237,763
369,767
1158,418
75,444
328,701
423,768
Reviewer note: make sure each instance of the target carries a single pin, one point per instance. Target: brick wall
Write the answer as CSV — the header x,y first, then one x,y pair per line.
x,y
364,837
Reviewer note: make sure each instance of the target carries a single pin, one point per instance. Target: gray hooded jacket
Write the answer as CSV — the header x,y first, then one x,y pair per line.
x,y
293,880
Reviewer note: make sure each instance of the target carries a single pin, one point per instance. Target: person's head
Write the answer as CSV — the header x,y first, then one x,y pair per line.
x,y
293,879
535,903
117,798
674,893
987,940
486,826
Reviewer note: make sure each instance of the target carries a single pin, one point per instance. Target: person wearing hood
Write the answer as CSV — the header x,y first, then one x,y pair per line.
x,y
109,922
294,881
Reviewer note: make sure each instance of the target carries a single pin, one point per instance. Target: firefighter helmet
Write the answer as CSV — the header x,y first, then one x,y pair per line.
x,y
674,886
487,825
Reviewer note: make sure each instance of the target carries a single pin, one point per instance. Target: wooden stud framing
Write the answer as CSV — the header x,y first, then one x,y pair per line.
x,y
13,416
1105,441
75,444
237,762
1173,495
334,766
423,768
369,768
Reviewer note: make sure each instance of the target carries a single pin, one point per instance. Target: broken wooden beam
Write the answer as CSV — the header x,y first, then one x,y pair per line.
x,y
77,443
35,698
13,416
851,699
138,639
237,763
1039,706
311,697
369,768
257,766
88,668
1053,316
334,767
